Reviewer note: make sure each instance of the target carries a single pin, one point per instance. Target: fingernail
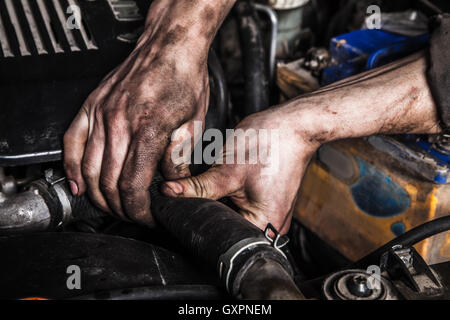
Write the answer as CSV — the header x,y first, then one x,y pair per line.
x,y
173,189
73,187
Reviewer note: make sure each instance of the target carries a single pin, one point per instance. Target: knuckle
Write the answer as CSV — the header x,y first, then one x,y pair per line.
x,y
107,186
112,118
168,127
70,166
181,169
127,187
174,171
98,115
157,126
150,135
88,170
148,132
199,188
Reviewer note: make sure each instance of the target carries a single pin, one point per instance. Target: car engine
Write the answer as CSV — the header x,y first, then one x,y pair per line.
x,y
371,221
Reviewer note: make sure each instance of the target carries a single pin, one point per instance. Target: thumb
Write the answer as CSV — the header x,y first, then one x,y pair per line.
x,y
212,184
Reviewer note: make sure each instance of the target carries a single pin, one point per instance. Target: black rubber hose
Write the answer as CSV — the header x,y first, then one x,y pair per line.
x,y
217,116
257,88
225,240
207,228
407,239
210,230
83,208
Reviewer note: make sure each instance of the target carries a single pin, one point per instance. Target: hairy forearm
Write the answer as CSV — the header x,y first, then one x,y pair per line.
x,y
184,27
390,100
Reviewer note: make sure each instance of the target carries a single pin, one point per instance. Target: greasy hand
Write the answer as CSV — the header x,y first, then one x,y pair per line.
x,y
123,130
393,99
264,191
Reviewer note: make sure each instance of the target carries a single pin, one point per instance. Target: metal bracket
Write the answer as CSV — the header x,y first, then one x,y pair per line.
x,y
410,273
125,10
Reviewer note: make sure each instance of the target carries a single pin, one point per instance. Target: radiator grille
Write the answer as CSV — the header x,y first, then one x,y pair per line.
x,y
40,27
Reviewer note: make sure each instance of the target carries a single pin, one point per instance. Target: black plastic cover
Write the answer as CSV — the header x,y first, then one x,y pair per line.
x,y
36,266
41,93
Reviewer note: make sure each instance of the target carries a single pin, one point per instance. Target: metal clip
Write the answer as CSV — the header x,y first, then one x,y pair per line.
x,y
55,183
50,177
279,241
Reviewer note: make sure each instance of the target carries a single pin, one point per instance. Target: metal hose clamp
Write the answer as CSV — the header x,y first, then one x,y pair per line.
x,y
66,207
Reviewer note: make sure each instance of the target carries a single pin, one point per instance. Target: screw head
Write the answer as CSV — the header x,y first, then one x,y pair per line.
x,y
357,285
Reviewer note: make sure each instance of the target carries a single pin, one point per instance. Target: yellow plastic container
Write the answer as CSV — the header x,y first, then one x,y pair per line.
x,y
358,194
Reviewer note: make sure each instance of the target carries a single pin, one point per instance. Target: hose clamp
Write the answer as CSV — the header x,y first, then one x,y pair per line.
x,y
56,184
278,241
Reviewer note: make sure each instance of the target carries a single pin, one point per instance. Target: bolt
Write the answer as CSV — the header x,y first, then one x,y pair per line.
x,y
357,285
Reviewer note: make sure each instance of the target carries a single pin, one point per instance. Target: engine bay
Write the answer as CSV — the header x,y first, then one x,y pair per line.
x,y
371,217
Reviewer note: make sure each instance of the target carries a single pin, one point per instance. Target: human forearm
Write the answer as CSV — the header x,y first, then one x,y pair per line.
x,y
186,27
390,100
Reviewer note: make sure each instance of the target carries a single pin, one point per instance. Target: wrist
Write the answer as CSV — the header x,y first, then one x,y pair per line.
x,y
308,120
183,30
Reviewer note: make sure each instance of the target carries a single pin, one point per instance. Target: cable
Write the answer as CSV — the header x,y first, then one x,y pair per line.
x,y
431,6
408,239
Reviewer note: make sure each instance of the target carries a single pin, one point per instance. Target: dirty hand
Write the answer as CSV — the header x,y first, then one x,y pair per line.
x,y
264,188
123,130
397,100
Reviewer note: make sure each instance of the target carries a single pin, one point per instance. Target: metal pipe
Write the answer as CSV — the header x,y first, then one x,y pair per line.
x,y
24,212
45,206
273,19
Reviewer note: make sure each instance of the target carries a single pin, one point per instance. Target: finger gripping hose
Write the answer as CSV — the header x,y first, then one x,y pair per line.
x,y
219,236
